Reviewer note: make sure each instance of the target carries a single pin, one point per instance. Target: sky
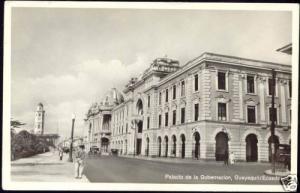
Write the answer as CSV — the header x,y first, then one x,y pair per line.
x,y
69,58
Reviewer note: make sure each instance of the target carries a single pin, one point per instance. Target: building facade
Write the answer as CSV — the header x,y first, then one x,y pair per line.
x,y
212,104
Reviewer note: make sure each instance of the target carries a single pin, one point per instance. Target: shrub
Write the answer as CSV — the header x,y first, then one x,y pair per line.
x,y
25,144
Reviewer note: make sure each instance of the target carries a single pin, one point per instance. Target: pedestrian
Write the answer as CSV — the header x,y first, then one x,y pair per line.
x,y
61,154
79,162
232,158
226,157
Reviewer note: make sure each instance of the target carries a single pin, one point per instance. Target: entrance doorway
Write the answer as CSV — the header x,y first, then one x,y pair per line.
x,y
104,144
138,146
251,148
174,145
159,146
182,145
221,146
147,146
197,145
166,146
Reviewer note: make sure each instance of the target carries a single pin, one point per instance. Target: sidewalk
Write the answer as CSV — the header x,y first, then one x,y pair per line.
x,y
44,167
189,160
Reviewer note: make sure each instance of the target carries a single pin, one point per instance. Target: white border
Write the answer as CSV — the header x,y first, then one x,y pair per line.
x,y
8,185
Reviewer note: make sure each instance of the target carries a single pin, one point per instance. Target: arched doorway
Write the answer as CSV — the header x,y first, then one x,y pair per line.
x,y
174,145
125,151
104,144
251,148
166,146
147,146
276,141
182,137
196,148
121,147
221,146
159,146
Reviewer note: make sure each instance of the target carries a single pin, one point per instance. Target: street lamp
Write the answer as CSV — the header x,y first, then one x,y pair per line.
x,y
273,148
71,142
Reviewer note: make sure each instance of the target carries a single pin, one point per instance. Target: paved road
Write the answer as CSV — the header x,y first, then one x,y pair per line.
x,y
128,170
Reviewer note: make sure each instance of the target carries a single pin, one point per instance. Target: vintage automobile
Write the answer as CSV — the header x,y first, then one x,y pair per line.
x,y
94,150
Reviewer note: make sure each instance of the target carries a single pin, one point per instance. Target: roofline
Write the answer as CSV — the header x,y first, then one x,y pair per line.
x,y
284,48
206,57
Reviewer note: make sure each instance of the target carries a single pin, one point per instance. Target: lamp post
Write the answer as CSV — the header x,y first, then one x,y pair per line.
x,y
273,148
71,142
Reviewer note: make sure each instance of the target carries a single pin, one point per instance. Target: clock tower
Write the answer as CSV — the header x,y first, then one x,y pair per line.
x,y
39,120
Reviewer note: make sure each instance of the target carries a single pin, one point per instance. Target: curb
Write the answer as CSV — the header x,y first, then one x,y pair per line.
x,y
277,173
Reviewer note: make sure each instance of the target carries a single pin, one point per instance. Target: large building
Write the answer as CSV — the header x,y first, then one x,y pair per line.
x,y
198,110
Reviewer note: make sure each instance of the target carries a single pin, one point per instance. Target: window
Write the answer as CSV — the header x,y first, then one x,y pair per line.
x,y
174,91
290,88
196,111
126,127
174,117
167,95
122,129
222,111
271,114
159,99
250,84
159,121
148,100
196,82
251,114
166,119
221,81
182,115
270,83
182,88
148,122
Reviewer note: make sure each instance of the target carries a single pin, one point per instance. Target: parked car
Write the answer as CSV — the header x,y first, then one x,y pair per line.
x,y
114,151
94,149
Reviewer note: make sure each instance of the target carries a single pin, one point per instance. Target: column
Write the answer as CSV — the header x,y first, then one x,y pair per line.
x,y
241,103
262,99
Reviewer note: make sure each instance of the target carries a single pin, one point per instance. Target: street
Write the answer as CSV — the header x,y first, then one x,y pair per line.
x,y
129,170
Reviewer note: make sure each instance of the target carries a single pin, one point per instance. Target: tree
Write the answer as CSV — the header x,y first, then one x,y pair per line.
x,y
16,124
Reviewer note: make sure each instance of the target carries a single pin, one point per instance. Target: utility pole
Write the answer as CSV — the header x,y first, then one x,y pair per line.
x,y
273,121
71,142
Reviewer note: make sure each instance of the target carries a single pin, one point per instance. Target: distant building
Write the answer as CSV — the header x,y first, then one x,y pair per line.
x,y
76,142
39,121
212,104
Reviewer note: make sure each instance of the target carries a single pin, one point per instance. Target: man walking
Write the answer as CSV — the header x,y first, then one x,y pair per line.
x,y
79,162
61,154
